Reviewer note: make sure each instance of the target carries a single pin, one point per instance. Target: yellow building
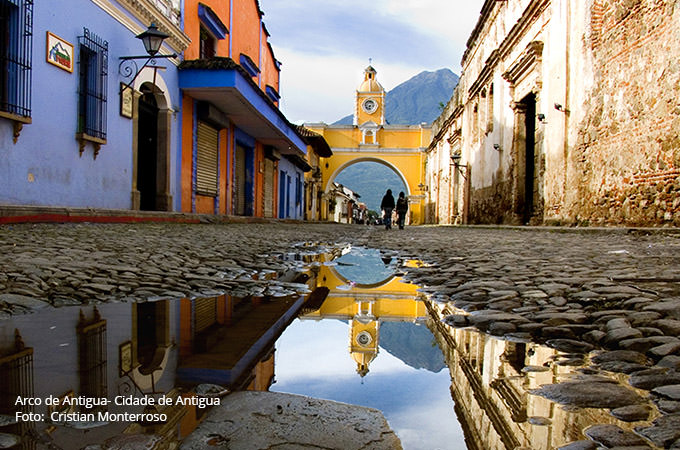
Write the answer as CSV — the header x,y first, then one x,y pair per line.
x,y
370,138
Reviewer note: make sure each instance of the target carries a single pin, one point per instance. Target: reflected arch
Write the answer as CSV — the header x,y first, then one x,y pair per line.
x,y
374,285
361,159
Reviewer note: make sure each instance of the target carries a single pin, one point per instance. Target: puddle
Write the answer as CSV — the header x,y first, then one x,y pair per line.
x,y
358,334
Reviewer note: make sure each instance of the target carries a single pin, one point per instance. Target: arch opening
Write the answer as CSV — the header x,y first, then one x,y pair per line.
x,y
370,178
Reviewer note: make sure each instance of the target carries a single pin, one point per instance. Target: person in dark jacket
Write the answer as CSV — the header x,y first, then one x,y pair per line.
x,y
402,208
387,205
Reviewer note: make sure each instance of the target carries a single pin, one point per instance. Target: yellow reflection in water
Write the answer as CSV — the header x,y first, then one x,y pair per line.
x,y
365,306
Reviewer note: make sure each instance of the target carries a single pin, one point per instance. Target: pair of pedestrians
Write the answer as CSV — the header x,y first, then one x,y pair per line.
x,y
387,205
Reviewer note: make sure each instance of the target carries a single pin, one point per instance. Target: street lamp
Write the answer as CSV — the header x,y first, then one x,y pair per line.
x,y
152,39
455,161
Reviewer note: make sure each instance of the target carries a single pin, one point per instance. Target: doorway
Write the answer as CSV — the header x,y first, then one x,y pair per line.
x,y
529,160
147,151
151,335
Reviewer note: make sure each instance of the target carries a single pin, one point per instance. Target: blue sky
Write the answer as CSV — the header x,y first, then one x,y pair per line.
x,y
312,359
324,45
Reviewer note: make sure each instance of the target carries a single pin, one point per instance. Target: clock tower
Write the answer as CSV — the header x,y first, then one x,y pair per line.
x,y
369,109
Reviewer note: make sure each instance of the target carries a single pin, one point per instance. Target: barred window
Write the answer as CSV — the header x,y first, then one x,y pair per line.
x,y
93,76
16,38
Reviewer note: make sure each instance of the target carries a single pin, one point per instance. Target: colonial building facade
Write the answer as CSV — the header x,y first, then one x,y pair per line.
x,y
193,127
72,133
240,155
566,113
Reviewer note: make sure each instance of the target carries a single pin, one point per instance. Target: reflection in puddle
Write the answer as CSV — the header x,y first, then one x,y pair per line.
x,y
133,374
368,344
493,379
363,337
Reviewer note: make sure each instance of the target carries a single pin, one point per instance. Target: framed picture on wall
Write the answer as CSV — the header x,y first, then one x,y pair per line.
x,y
59,52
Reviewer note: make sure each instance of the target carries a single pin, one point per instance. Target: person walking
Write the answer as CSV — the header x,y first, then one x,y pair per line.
x,y
387,205
402,208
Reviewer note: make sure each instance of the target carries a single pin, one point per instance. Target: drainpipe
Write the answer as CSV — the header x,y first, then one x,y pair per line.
x,y
231,24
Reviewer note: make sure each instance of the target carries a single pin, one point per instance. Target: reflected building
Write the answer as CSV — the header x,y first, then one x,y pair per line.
x,y
159,349
379,297
230,340
491,391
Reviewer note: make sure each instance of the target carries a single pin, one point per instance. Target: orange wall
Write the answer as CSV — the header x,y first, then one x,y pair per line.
x,y
259,180
245,32
223,161
248,36
192,26
187,151
270,74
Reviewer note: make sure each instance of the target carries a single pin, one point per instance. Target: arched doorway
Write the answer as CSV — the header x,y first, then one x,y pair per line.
x,y
147,150
151,144
151,336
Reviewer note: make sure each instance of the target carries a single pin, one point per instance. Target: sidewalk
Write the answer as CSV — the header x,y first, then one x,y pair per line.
x,y
55,214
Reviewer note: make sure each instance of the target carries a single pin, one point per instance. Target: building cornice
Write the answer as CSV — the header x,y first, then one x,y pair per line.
x,y
533,11
486,73
529,16
530,58
145,13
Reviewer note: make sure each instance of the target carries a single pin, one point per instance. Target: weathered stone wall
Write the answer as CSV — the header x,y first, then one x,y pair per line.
x,y
626,159
492,204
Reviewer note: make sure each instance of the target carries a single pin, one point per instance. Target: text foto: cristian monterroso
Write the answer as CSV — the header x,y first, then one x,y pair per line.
x,y
105,416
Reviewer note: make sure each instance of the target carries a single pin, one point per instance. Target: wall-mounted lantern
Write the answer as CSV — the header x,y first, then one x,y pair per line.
x,y
455,161
152,39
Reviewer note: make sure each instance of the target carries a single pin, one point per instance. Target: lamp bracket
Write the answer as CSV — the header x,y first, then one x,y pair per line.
x,y
128,66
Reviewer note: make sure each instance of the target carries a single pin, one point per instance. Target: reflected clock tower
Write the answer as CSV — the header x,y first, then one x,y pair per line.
x,y
364,329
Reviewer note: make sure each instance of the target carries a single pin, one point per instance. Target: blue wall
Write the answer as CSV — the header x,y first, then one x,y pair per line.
x,y
291,202
44,166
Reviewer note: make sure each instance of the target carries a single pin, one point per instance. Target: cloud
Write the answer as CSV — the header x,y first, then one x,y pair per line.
x,y
336,29
324,46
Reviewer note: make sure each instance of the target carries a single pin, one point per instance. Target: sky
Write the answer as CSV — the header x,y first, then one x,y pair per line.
x,y
325,45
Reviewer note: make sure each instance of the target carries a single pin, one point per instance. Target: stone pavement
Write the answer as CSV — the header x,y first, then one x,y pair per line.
x,y
578,291
267,420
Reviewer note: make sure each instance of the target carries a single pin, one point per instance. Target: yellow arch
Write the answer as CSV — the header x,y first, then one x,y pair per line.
x,y
401,148
361,159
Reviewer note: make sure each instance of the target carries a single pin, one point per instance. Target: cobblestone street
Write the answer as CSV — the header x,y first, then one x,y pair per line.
x,y
579,291
534,272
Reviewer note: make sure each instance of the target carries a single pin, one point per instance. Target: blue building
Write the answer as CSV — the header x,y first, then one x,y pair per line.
x,y
291,187
72,132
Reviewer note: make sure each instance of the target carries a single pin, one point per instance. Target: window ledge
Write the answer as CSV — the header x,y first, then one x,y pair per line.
x,y
84,138
18,120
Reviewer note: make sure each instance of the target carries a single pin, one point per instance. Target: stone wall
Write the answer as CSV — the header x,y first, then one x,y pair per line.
x,y
492,204
626,159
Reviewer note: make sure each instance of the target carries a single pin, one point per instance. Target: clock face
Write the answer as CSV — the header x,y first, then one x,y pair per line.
x,y
364,339
369,105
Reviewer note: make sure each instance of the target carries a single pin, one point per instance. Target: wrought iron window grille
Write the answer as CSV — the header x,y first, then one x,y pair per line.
x,y
16,41
93,75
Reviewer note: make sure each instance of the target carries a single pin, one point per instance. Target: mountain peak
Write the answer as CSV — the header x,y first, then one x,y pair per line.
x,y
417,99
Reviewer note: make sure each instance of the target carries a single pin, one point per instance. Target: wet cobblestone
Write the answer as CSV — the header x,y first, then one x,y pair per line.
x,y
613,296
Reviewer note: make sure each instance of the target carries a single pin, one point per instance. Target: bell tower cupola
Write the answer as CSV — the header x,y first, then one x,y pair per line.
x,y
370,103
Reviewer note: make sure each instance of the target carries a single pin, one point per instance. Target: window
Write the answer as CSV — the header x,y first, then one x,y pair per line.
x,y
93,76
16,37
207,44
298,190
489,109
